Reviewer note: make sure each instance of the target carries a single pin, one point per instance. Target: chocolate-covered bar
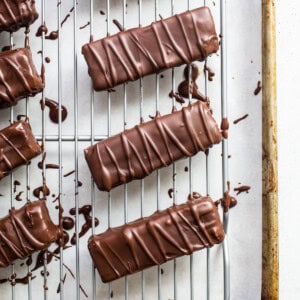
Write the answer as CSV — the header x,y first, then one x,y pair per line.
x,y
165,235
141,51
17,146
25,231
15,14
135,153
18,77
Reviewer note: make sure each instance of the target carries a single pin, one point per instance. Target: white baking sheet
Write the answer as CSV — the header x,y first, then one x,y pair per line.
x,y
244,65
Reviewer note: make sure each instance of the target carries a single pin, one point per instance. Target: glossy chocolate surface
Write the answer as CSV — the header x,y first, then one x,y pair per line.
x,y
177,231
15,14
135,153
18,77
25,231
17,146
141,51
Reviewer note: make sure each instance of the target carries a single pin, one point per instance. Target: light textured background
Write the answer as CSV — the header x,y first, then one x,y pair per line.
x,y
244,64
288,64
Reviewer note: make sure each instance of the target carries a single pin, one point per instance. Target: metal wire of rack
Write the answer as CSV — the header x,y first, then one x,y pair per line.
x,y
60,139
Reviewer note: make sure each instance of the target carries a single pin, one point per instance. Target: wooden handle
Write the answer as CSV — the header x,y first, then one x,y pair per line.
x,y
269,161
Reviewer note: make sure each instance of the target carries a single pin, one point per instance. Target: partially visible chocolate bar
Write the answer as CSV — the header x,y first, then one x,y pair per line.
x,y
15,14
135,153
137,52
17,146
18,77
177,231
25,231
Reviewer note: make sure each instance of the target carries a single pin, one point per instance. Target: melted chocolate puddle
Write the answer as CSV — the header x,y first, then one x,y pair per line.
x,y
86,212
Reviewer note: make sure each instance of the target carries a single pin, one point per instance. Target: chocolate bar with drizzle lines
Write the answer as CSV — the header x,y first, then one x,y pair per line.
x,y
177,231
18,77
25,231
15,14
17,146
135,153
137,52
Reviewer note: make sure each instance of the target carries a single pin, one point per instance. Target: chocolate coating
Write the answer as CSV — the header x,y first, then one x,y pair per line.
x,y
15,14
177,231
135,153
18,77
25,231
17,146
137,52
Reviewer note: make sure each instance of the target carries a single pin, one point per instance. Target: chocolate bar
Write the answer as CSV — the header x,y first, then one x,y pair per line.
x,y
18,77
141,51
25,231
135,153
17,146
15,14
177,231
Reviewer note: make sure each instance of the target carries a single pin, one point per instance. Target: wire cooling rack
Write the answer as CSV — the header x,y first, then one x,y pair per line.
x,y
96,116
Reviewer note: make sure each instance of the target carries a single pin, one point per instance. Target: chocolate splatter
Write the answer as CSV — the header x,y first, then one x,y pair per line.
x,y
48,166
16,183
258,88
53,35
242,189
86,25
68,223
44,190
64,20
102,12
47,60
170,192
69,173
85,211
240,119
18,197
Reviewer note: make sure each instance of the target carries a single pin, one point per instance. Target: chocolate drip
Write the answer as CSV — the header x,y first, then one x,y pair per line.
x,y
17,147
183,87
18,77
210,73
68,223
118,24
137,152
17,14
176,231
137,52
53,35
54,110
25,231
42,29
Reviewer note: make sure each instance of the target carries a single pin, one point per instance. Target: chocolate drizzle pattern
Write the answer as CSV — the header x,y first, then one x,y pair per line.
x,y
176,231
137,52
18,77
15,14
135,153
17,146
25,231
